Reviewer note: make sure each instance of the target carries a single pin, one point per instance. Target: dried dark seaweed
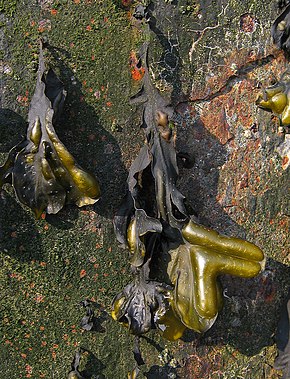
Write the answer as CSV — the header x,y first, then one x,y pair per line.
x,y
141,303
155,164
280,30
175,261
44,175
282,361
88,321
74,373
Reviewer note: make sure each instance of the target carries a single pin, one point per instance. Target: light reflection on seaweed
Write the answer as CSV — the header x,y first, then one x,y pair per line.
x,y
44,175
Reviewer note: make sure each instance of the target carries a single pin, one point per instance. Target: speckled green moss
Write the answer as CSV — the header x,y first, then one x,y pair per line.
x,y
49,266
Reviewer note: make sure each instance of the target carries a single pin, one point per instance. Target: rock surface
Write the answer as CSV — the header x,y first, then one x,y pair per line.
x,y
211,57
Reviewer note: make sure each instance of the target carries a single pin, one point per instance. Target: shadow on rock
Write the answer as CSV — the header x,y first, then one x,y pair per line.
x,y
93,368
161,372
12,129
18,235
94,148
199,183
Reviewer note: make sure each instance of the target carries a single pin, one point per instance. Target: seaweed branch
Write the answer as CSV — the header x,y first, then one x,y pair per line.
x,y
175,260
44,175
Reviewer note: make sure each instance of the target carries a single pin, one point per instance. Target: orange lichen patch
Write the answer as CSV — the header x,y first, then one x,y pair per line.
x,y
44,25
214,119
23,100
285,162
28,369
83,273
137,72
248,23
226,112
15,275
284,223
126,3
239,104
203,363
39,298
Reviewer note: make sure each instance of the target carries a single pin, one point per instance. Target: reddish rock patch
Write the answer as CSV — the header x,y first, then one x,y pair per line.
x,y
248,23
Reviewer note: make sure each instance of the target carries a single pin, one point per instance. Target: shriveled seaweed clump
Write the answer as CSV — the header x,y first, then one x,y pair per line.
x,y
175,261
44,175
280,30
75,373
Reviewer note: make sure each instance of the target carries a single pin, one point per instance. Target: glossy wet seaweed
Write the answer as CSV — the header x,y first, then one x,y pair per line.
x,y
44,175
155,224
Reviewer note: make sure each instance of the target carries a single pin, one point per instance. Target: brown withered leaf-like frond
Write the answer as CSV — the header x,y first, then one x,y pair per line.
x,y
88,321
141,303
280,30
166,243
75,373
45,176
153,199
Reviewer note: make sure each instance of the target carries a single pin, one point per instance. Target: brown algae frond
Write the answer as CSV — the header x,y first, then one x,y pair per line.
x,y
175,261
43,173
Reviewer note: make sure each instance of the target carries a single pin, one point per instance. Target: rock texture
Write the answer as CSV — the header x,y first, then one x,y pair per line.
x,y
211,58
